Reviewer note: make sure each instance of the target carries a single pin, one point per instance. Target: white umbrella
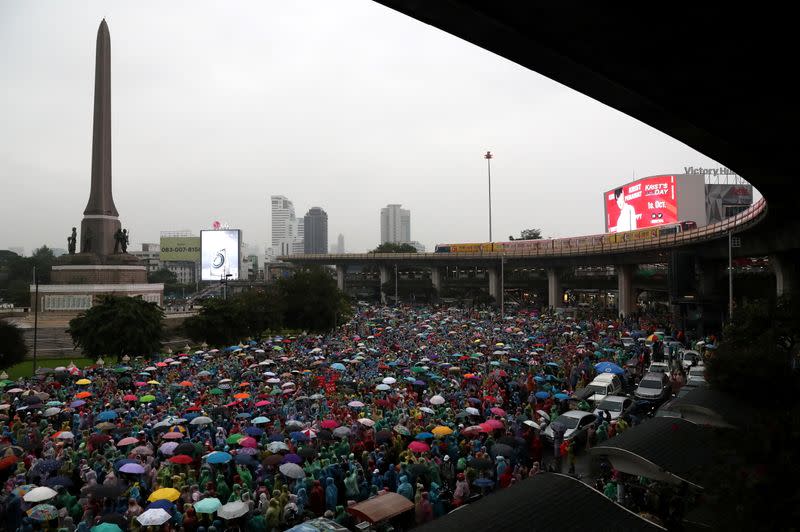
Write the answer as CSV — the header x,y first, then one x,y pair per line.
x,y
472,411
366,421
294,424
532,424
543,414
232,510
201,420
277,446
52,411
355,404
291,470
383,387
66,435
389,380
436,400
154,517
426,409
42,493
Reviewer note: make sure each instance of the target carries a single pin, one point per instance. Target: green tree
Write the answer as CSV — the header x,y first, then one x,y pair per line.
x,y
119,326
313,301
261,310
528,234
12,345
162,276
20,274
393,247
218,323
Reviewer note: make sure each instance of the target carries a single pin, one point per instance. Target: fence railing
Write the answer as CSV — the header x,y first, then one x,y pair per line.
x,y
563,247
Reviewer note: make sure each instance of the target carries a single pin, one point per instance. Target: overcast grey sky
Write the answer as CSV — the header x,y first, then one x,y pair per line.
x,y
346,105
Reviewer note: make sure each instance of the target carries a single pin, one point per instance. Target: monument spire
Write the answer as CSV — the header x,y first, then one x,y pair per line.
x,y
100,220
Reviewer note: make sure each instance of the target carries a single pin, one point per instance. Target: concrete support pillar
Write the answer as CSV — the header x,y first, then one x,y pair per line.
x,y
340,271
493,273
625,295
555,294
785,266
436,278
385,278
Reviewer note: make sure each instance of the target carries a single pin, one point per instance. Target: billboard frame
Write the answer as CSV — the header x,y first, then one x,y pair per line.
x,y
208,257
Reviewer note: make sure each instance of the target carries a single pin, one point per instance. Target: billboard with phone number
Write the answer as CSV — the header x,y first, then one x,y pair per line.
x,y
646,202
180,248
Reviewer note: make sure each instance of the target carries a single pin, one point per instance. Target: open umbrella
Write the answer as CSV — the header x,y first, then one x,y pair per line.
x,y
232,510
154,517
170,494
609,367
181,459
112,491
418,447
127,441
218,457
208,505
201,420
501,449
292,470
341,432
39,494
43,512
59,481
106,527
277,446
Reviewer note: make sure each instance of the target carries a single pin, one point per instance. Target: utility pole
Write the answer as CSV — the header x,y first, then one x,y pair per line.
x,y
488,158
502,287
35,318
396,301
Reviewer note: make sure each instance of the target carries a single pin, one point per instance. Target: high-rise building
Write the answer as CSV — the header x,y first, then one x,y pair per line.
x,y
340,244
395,224
287,230
315,228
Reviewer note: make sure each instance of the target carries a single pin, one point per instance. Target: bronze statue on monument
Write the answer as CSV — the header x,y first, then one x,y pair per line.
x,y
71,241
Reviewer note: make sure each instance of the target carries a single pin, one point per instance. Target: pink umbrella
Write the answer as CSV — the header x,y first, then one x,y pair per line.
x,y
173,435
474,430
492,424
418,447
140,383
127,441
248,442
263,403
498,411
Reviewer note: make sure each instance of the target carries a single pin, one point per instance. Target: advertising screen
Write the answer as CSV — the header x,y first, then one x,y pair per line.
x,y
219,251
643,203
180,248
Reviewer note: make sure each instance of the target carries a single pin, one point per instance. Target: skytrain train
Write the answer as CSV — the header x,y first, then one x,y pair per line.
x,y
575,244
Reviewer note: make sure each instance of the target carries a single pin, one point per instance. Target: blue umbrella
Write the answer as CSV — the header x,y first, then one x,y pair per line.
x,y
107,415
423,436
164,504
255,432
484,482
553,364
298,436
219,458
561,396
338,366
244,415
538,378
542,395
609,367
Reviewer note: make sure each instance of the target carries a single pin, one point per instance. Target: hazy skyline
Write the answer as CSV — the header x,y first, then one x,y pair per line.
x,y
348,106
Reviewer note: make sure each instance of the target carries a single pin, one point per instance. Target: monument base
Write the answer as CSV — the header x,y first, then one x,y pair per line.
x,y
76,298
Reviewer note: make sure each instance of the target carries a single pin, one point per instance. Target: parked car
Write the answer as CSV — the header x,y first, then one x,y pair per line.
x,y
689,358
616,405
576,423
603,385
654,387
665,410
627,341
658,367
696,378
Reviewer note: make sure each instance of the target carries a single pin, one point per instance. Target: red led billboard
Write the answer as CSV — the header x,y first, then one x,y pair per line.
x,y
643,203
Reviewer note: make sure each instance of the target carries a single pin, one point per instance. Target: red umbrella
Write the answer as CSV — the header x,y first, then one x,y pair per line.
x,y
329,424
498,411
492,424
248,442
8,461
418,447
473,431
181,459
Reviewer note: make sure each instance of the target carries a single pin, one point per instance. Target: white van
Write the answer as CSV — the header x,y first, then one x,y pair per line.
x,y
602,385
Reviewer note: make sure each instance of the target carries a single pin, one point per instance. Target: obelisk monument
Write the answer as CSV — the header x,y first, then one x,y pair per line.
x,y
98,262
100,218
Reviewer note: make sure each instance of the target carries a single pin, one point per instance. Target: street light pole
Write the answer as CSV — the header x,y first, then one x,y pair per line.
x,y
396,301
488,158
730,277
35,318
502,286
